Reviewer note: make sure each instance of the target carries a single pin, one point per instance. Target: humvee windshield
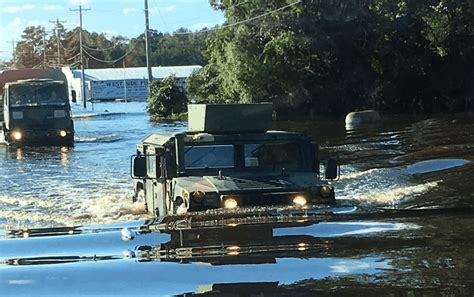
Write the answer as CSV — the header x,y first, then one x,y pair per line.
x,y
209,156
273,156
37,94
256,156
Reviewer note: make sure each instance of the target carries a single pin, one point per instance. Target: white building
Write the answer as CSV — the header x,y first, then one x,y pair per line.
x,y
122,83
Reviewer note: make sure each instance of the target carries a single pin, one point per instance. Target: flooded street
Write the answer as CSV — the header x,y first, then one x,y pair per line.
x,y
85,184
403,224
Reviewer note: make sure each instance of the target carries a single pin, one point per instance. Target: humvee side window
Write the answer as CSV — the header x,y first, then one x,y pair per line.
x,y
153,169
1,108
209,156
273,156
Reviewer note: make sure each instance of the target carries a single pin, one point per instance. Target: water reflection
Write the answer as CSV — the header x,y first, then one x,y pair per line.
x,y
19,153
216,256
64,155
181,256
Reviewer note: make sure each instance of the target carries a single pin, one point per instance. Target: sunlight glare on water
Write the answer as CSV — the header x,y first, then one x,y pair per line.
x,y
84,184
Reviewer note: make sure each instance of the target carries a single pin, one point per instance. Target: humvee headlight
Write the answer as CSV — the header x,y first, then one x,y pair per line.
x,y
230,203
325,191
62,133
300,200
198,196
233,250
17,135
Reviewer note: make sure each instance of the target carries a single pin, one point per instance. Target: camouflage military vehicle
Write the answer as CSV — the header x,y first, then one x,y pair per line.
x,y
229,158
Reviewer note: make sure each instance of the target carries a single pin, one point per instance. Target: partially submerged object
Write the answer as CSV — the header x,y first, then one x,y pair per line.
x,y
356,118
34,108
227,163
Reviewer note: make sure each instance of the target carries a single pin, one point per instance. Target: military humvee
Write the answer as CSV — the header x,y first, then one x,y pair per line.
x,y
229,158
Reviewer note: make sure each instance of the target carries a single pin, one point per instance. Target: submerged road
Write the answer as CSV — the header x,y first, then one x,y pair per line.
x,y
403,224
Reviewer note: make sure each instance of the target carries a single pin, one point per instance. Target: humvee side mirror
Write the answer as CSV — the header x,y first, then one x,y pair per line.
x,y
139,167
331,169
73,95
316,158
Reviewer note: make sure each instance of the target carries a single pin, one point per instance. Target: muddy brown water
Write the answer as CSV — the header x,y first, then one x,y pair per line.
x,y
403,225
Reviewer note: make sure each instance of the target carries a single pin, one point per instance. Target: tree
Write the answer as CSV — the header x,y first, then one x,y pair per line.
x,y
331,57
29,51
166,98
100,51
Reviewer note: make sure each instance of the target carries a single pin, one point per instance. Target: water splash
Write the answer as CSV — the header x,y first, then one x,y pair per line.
x,y
379,186
394,196
60,211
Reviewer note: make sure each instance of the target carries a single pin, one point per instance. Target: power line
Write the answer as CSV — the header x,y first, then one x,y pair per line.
x,y
103,49
240,22
111,61
74,57
56,24
163,19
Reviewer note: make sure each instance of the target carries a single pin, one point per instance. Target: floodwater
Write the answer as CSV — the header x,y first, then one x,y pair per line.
x,y
403,225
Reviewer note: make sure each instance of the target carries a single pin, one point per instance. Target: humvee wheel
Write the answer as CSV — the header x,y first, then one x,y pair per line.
x,y
179,206
138,195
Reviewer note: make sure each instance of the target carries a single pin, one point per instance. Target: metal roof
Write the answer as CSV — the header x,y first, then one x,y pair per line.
x,y
136,72
36,81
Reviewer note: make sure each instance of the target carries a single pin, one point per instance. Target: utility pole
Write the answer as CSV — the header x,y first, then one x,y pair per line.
x,y
57,23
44,50
83,92
147,48
124,80
13,51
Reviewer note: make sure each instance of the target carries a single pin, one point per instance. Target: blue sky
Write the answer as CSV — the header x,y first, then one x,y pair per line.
x,y
113,17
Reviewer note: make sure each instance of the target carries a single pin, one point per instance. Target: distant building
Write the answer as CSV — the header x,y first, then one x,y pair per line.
x,y
109,83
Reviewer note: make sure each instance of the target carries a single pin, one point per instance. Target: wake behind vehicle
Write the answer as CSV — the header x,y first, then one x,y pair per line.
x,y
229,158
35,108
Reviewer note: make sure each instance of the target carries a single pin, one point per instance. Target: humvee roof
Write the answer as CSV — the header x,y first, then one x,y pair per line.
x,y
162,139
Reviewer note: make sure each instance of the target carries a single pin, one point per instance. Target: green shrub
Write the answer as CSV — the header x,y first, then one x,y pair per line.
x,y
166,99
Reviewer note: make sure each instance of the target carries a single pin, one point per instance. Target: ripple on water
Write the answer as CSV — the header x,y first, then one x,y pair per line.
x,y
97,139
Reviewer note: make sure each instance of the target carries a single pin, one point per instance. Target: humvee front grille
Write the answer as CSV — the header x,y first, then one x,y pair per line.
x,y
264,199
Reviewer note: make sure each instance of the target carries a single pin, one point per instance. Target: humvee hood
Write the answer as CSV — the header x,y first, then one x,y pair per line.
x,y
244,184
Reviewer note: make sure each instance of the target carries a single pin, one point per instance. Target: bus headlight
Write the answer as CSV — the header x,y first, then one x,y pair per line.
x,y
300,200
62,133
17,135
230,203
